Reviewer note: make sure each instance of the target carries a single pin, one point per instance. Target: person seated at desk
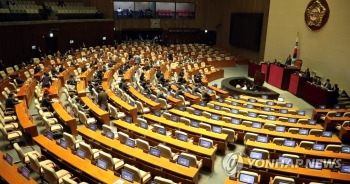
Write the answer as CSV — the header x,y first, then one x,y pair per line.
x,y
83,69
195,89
181,80
90,86
37,69
137,59
182,73
205,95
327,85
61,69
102,98
47,102
119,10
72,81
23,65
73,63
19,81
142,77
317,81
120,71
307,72
160,94
178,91
288,60
46,79
158,73
54,72
81,106
11,101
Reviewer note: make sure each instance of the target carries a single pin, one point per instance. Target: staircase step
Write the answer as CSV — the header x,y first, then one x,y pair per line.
x,y
344,102
343,98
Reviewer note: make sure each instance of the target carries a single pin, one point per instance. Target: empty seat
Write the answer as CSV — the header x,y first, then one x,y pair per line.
x,y
36,166
23,156
278,141
10,136
72,143
345,124
283,119
142,144
306,144
262,116
250,136
206,114
161,180
333,147
269,126
90,153
226,119
85,119
112,163
166,152
329,114
293,130
52,176
140,176
122,137
106,128
205,126
247,123
231,135
193,160
316,132
281,179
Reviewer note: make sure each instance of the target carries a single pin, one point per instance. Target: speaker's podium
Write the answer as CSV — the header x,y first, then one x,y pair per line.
x,y
297,82
259,78
279,75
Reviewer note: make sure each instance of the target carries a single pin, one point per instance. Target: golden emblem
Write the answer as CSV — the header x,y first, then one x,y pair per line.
x,y
315,13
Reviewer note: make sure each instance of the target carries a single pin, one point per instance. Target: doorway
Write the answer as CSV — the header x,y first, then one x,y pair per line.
x,y
51,45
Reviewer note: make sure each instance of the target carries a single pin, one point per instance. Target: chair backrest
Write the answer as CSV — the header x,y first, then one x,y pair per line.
x,y
106,128
122,136
139,106
192,158
165,151
70,140
226,119
331,113
108,158
230,134
243,112
190,110
167,115
278,140
346,114
283,119
82,118
293,130
346,123
315,132
206,114
142,144
184,120
333,147
113,111
68,181
303,121
34,163
281,179
247,123
249,135
19,152
135,171
88,152
269,126
205,126
163,103
262,116
161,180
306,144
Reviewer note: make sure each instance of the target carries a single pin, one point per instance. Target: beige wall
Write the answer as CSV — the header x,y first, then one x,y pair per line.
x,y
327,51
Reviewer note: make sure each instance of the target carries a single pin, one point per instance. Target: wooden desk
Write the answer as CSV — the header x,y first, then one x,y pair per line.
x,y
27,125
134,156
208,155
247,118
261,105
228,181
219,139
219,92
271,170
26,92
81,88
316,113
55,89
153,105
80,167
212,95
66,118
117,102
297,150
10,174
241,129
39,75
191,98
259,111
65,75
98,113
344,134
331,122
211,76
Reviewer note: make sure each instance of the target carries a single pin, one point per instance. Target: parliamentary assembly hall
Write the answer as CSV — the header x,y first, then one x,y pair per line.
x,y
174,91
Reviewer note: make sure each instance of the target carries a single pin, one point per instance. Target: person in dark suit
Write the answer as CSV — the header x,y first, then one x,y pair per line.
x,y
317,81
54,71
179,92
72,81
158,73
307,72
83,69
61,69
195,89
182,73
46,79
46,101
288,60
205,95
142,76
102,98
23,65
37,69
327,85
19,81
2,66
11,101
160,94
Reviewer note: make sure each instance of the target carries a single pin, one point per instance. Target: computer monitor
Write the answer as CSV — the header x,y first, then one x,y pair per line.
x,y
311,122
285,160
234,103
264,97
183,161
263,139
345,169
182,137
71,41
235,121
216,107
318,147
252,114
104,38
93,127
130,142
303,132
186,90
174,118
132,103
284,111
128,119
322,107
245,178
236,97
250,106
216,129
144,125
280,99
156,113
181,108
197,112
336,106
289,105
101,164
203,103
326,134
103,107
204,143
301,113
271,118
292,120
215,117
280,129
154,151
161,131
63,144
338,114
202,87
315,165
33,47
49,135
256,125
9,159
110,134
271,103
289,143
25,172
252,100
128,176
221,100
81,153
194,124
345,149
255,155
267,109
234,111
215,85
